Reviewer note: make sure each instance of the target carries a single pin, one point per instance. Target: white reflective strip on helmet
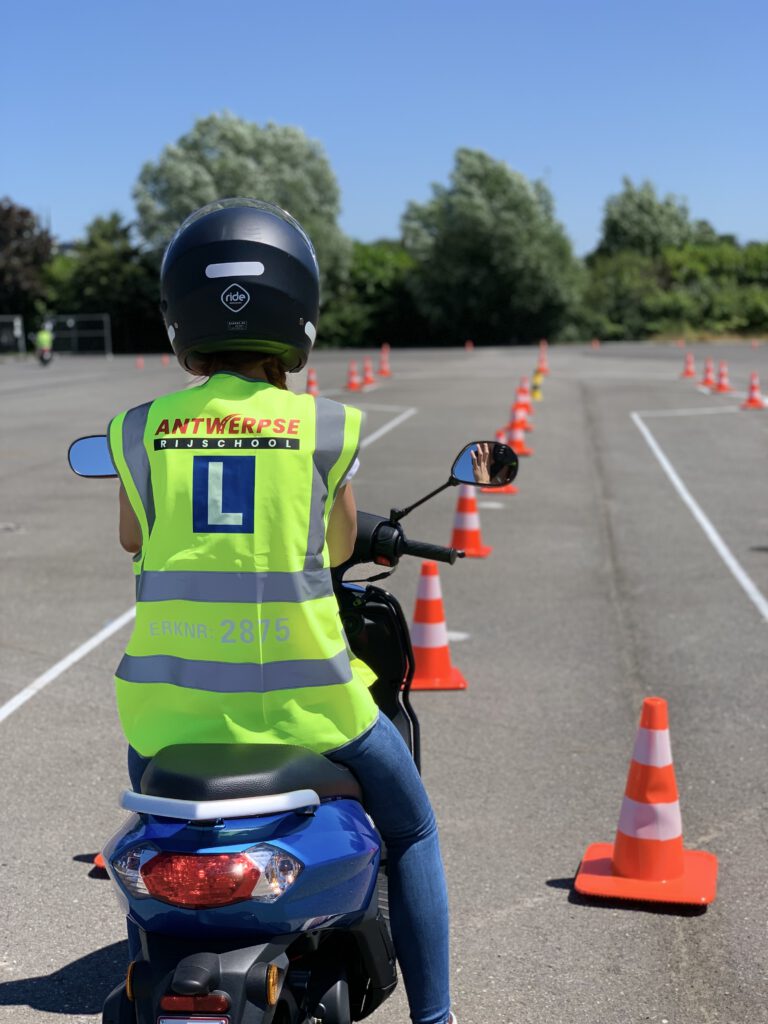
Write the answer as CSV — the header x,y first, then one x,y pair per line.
x,y
650,821
429,634
652,747
234,269
310,331
466,521
429,589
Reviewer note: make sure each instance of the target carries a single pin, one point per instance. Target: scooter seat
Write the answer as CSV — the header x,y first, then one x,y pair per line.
x,y
227,771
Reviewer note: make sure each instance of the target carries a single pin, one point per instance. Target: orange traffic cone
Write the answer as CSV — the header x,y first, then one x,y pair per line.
x,y
312,387
501,437
689,370
466,534
708,380
165,359
517,434
680,342
353,377
595,343
754,399
384,370
429,637
521,408
523,395
542,366
469,346
723,385
368,375
139,362
755,343
98,862
647,861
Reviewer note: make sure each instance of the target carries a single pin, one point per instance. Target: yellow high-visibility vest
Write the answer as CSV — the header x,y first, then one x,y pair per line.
x,y
238,637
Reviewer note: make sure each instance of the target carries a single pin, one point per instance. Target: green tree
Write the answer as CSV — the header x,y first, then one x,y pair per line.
x,y
375,303
637,220
107,272
621,292
491,261
225,156
25,248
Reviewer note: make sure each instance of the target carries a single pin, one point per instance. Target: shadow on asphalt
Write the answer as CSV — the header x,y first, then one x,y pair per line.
x,y
87,858
663,909
78,988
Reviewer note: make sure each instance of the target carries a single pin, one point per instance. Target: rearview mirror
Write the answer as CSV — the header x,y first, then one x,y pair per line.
x,y
486,464
89,456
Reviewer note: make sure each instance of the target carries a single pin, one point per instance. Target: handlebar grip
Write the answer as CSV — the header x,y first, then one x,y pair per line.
x,y
436,552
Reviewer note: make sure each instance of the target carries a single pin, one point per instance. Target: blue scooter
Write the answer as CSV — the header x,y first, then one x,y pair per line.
x,y
252,878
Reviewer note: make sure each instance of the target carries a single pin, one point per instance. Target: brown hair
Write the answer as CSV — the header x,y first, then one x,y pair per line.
x,y
205,364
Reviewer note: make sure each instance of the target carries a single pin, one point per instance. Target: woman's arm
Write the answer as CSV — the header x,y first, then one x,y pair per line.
x,y
130,531
342,526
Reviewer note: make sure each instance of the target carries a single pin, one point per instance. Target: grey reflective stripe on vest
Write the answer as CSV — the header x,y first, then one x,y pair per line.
x,y
250,587
330,419
135,454
224,677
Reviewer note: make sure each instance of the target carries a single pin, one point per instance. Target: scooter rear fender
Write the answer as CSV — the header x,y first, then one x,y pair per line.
x,y
337,845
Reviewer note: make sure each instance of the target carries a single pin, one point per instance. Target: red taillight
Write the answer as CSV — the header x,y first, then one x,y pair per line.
x,y
200,879
217,1002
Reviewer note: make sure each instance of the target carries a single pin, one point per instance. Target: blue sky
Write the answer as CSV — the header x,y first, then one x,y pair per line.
x,y
576,92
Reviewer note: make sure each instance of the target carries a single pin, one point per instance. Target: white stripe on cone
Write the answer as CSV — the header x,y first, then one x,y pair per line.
x,y
429,634
466,521
650,821
429,589
652,747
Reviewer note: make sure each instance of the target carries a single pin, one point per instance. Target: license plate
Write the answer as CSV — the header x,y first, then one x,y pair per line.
x,y
193,1020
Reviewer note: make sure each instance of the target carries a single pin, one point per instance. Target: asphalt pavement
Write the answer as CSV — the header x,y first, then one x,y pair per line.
x,y
602,588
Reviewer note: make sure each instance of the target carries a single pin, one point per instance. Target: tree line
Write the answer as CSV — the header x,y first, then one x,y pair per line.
x,y
484,258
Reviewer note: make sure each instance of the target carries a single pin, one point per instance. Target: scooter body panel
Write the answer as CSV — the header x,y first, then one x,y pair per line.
x,y
337,846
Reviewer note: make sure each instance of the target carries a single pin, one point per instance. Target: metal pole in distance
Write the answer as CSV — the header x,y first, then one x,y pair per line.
x,y
21,338
107,320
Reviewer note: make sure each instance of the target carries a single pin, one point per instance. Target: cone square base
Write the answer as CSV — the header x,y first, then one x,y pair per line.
x,y
475,552
454,681
506,489
697,885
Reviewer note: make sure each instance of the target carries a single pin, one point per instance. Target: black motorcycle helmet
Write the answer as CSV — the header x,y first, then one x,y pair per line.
x,y
241,275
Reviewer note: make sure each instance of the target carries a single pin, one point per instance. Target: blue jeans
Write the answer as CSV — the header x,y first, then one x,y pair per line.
x,y
395,798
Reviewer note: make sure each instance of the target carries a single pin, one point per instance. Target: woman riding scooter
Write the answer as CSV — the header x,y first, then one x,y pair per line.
x,y
235,502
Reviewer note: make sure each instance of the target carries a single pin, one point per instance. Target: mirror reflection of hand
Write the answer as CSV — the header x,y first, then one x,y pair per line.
x,y
481,462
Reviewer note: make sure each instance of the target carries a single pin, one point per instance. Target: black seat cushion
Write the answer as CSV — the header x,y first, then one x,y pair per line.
x,y
228,771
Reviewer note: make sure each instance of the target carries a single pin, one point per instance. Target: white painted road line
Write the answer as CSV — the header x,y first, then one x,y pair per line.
x,y
717,542
387,427
60,667
686,412
456,637
24,384
491,504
